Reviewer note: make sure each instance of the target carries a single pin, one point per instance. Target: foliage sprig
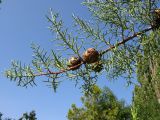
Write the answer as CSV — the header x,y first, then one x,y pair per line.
x,y
116,33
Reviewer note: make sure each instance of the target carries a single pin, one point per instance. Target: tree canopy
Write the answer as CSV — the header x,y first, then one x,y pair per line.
x,y
101,104
146,104
25,116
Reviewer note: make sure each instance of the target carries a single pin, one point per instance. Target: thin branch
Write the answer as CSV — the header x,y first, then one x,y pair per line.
x,y
103,52
61,71
126,40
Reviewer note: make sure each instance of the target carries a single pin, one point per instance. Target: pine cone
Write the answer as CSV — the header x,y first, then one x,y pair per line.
x,y
90,56
73,61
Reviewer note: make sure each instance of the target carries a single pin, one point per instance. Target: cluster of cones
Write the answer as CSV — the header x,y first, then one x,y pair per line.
x,y
90,56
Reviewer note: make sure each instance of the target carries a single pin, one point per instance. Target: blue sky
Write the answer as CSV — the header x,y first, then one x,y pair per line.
x,y
21,23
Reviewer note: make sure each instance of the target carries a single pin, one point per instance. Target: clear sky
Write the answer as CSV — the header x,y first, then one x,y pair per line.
x,y
21,23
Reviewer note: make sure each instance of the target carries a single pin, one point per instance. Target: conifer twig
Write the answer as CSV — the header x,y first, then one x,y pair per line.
x,y
59,72
103,52
126,40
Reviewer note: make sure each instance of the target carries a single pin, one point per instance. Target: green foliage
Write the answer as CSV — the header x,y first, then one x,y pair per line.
x,y
119,30
147,93
100,105
145,104
26,116
30,116
115,30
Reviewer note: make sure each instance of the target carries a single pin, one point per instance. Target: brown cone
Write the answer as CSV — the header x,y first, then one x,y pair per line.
x,y
74,62
90,56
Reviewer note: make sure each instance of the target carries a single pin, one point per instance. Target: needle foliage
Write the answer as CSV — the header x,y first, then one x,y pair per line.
x,y
116,31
